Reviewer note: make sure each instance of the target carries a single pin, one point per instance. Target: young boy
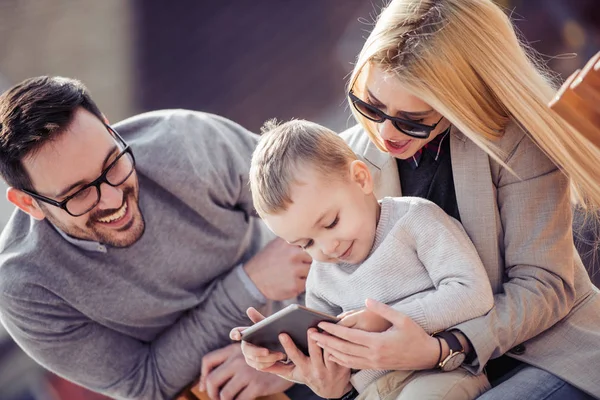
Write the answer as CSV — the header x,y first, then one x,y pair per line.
x,y
313,191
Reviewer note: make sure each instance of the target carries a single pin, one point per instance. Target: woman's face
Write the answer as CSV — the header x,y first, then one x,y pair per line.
x,y
385,92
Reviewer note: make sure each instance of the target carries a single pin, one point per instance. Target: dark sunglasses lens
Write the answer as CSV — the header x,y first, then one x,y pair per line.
x,y
368,111
410,130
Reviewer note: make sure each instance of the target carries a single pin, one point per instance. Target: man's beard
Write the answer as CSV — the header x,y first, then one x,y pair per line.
x,y
96,232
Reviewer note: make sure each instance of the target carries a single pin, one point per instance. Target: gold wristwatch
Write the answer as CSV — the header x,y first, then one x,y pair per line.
x,y
457,352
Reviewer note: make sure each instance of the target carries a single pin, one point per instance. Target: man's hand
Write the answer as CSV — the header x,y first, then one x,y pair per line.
x,y
365,320
279,270
226,376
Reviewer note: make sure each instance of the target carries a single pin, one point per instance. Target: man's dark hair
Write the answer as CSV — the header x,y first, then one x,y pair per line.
x,y
33,113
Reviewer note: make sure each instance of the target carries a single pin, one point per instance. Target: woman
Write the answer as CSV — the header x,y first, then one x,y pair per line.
x,y
452,109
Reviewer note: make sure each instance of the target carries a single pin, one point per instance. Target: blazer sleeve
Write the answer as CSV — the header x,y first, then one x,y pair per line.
x,y
538,284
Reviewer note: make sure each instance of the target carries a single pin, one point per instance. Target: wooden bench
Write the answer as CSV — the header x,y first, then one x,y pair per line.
x,y
192,393
578,100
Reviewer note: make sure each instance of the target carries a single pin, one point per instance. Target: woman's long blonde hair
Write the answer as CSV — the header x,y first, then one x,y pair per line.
x,y
464,59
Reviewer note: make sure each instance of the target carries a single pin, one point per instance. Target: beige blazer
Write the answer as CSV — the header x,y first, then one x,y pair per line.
x,y
546,312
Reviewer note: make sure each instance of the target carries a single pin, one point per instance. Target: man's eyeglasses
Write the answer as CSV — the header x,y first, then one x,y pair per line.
x,y
408,127
86,198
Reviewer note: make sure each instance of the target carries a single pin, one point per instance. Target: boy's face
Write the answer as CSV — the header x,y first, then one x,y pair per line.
x,y
334,220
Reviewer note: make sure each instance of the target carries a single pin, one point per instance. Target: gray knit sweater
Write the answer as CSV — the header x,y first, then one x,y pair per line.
x,y
135,322
422,262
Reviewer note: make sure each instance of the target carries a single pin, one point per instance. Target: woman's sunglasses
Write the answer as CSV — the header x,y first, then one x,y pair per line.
x,y
408,127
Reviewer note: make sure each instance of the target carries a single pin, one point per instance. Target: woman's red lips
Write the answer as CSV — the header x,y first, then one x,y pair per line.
x,y
397,147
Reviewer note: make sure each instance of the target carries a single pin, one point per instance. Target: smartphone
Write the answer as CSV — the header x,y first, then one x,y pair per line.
x,y
294,320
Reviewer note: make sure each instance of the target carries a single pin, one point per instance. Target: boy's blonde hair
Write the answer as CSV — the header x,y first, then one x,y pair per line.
x,y
283,150
464,59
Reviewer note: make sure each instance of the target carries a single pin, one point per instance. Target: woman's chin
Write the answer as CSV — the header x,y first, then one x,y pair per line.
x,y
407,155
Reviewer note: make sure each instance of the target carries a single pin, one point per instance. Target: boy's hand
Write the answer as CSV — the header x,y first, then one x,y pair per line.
x,y
236,333
365,320
318,371
348,313
323,376
257,357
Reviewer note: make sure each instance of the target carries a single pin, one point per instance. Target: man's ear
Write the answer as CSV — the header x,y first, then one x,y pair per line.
x,y
25,203
359,173
105,119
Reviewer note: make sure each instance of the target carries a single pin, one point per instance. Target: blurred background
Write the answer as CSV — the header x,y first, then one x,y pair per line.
x,y
246,60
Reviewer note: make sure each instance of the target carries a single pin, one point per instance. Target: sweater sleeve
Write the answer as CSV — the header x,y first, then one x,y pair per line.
x,y
201,157
68,343
462,288
218,152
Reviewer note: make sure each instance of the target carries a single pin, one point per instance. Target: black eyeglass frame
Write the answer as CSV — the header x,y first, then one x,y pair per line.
x,y
426,129
96,183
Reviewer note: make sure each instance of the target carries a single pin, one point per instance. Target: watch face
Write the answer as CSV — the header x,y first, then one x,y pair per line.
x,y
454,361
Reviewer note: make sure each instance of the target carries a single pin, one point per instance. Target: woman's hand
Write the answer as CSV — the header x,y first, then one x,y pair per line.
x,y
325,377
405,346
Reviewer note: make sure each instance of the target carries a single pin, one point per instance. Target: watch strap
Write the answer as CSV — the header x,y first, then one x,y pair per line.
x,y
452,341
352,394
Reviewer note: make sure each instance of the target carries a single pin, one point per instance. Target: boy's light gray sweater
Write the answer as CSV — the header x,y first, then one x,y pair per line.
x,y
422,263
135,322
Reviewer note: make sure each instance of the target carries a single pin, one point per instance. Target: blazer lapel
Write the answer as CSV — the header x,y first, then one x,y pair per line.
x,y
385,173
476,199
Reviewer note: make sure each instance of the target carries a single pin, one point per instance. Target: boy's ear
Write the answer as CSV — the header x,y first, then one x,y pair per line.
x,y
359,173
25,203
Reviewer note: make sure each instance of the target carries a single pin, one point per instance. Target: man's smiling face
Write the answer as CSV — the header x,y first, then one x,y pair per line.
x,y
78,156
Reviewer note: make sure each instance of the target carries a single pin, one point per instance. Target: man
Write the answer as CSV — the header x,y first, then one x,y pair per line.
x,y
134,250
